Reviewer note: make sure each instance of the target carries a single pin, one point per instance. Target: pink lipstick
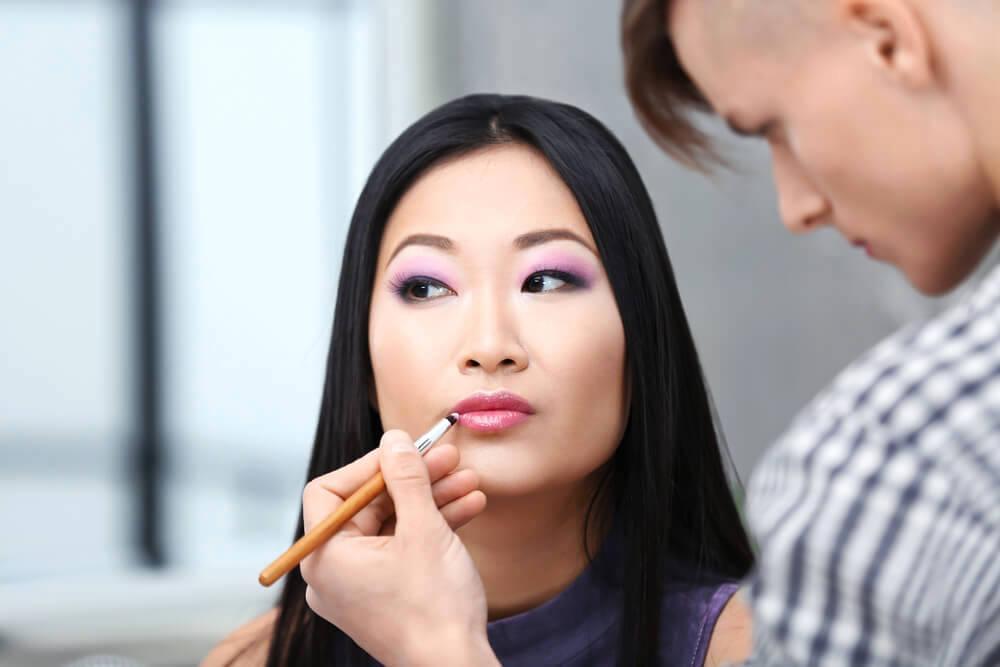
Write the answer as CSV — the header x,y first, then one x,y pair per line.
x,y
492,412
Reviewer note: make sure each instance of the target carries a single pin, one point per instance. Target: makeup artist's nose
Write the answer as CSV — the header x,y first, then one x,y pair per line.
x,y
492,344
803,207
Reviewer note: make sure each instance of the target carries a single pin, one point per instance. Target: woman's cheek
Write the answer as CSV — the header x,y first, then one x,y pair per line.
x,y
391,361
585,343
583,353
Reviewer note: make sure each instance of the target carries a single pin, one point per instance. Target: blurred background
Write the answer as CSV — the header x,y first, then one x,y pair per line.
x,y
175,183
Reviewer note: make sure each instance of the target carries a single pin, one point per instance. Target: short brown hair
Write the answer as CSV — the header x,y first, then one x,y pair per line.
x,y
661,92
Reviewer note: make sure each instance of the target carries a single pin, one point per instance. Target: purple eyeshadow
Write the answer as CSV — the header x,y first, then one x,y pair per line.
x,y
565,263
422,268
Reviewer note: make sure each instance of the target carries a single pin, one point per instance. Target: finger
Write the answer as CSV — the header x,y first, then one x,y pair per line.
x,y
447,490
348,479
460,512
326,493
454,486
409,484
441,460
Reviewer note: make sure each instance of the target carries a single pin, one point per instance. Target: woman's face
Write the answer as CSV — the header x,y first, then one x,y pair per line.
x,y
489,291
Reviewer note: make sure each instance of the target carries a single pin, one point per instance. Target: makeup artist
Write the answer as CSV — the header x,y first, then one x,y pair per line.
x,y
876,515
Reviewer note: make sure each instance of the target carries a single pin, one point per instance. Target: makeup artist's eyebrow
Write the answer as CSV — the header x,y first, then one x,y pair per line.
x,y
432,240
531,239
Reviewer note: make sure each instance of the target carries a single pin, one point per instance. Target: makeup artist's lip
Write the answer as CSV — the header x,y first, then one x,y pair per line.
x,y
863,245
492,411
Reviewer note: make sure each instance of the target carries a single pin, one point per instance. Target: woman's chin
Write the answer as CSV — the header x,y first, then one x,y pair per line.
x,y
515,471
503,469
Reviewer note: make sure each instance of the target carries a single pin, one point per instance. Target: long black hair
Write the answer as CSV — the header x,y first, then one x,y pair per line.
x,y
667,480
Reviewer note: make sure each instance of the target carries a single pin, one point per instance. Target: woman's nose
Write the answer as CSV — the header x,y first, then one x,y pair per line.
x,y
492,344
803,208
495,363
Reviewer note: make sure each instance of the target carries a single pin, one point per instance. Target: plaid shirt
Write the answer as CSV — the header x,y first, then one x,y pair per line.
x,y
878,513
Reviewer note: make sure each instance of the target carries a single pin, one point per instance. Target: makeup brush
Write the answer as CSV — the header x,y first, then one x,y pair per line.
x,y
357,501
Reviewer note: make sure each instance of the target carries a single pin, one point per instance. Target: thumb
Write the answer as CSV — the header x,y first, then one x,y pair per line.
x,y
408,482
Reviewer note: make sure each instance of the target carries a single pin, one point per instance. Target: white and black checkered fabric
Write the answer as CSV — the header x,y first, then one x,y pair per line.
x,y
878,513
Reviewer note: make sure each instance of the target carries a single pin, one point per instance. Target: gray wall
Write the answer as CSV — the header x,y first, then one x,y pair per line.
x,y
775,316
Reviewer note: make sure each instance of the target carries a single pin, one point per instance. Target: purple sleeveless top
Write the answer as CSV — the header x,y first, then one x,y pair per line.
x,y
580,625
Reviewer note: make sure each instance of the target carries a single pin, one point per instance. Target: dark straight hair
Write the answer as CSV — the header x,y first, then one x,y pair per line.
x,y
667,483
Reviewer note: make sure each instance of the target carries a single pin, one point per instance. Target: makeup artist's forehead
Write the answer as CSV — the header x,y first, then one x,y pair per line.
x,y
485,200
733,77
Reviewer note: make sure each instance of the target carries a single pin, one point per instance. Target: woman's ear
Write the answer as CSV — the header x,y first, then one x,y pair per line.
x,y
893,34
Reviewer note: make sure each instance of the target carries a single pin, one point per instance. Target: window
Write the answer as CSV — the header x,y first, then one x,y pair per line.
x,y
264,120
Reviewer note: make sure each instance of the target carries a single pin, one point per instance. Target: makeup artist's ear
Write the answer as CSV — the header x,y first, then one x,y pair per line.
x,y
894,37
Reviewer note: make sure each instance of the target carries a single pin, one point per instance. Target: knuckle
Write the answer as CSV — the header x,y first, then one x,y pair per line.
x,y
395,434
306,569
309,491
411,470
312,599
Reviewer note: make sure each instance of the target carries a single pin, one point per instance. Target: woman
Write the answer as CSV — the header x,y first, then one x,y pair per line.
x,y
504,258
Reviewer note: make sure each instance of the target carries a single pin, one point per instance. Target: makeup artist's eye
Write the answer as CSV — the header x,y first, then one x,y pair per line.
x,y
420,288
550,281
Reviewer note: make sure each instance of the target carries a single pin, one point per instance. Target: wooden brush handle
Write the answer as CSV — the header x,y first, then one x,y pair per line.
x,y
323,531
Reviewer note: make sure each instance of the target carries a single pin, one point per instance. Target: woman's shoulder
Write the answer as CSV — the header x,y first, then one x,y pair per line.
x,y
706,620
731,637
246,646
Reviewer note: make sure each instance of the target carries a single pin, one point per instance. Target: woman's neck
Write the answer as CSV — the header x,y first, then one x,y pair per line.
x,y
529,549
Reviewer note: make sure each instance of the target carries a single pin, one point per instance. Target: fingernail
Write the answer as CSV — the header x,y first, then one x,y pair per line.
x,y
401,445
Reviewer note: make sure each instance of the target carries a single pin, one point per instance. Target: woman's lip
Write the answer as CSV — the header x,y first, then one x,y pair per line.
x,y
494,401
491,420
490,412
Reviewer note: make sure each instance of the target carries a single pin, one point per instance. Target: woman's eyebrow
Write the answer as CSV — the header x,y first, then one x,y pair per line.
x,y
531,239
433,240
522,242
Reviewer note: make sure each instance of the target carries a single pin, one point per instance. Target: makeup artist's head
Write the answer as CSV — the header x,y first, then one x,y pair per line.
x,y
508,243
880,114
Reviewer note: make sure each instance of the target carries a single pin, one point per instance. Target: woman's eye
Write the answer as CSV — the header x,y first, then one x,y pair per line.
x,y
549,281
422,289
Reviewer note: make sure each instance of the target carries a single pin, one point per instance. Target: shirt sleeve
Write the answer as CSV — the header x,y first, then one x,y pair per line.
x,y
877,520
